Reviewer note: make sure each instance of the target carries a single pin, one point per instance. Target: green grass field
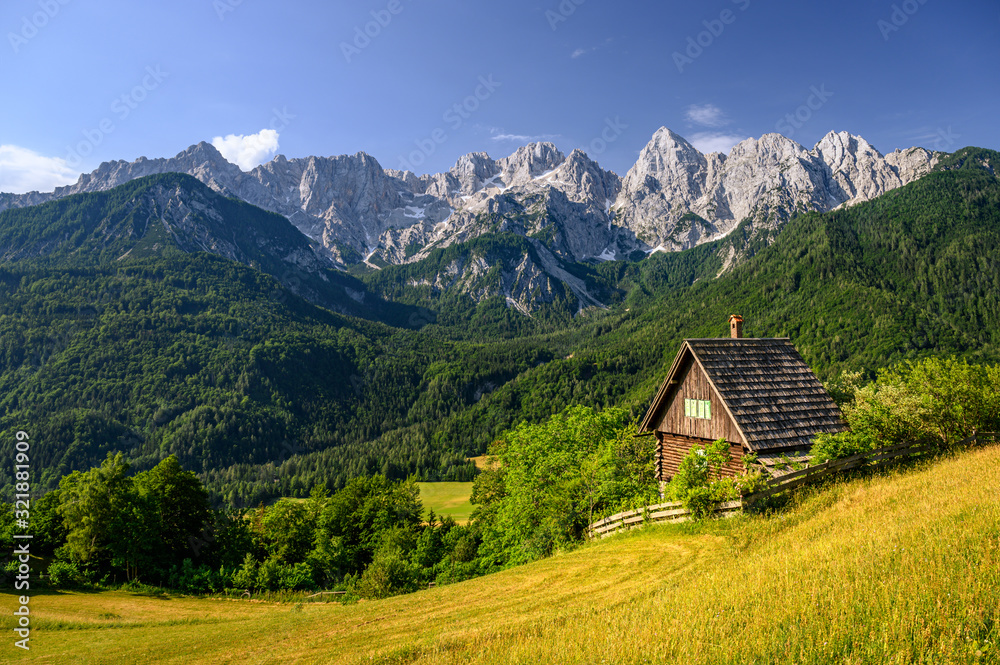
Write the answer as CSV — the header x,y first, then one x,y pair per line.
x,y
447,499
898,567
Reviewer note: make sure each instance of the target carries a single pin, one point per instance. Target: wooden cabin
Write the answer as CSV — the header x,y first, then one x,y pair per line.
x,y
757,394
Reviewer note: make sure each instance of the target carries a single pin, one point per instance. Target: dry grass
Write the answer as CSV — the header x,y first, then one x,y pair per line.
x,y
447,498
484,462
896,568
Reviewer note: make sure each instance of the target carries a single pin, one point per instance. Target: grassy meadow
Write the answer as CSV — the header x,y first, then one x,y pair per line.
x,y
901,566
446,498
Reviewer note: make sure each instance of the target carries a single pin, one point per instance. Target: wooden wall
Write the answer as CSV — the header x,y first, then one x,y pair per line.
x,y
671,449
694,385
678,433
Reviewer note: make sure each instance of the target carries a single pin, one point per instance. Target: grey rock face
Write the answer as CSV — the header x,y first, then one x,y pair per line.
x,y
529,162
471,172
674,196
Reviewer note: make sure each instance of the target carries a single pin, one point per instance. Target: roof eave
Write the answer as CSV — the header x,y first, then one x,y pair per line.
x,y
646,425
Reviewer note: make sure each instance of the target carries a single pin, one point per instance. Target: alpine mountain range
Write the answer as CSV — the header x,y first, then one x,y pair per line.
x,y
570,209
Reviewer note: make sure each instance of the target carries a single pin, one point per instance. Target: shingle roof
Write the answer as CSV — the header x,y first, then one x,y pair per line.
x,y
772,395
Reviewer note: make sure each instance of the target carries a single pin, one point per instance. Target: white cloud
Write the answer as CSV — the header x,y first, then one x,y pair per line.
x,y
708,115
523,138
250,150
708,142
583,51
23,170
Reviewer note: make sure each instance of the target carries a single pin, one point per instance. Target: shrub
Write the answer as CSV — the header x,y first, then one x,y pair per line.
x,y
750,482
65,574
456,572
246,576
296,576
555,478
388,575
269,574
934,400
698,484
699,501
836,446
465,549
697,468
197,579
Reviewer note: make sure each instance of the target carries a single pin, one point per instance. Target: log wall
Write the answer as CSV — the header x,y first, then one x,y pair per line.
x,y
672,448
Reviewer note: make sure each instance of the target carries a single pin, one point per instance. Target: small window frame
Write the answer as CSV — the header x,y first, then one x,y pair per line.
x,y
700,409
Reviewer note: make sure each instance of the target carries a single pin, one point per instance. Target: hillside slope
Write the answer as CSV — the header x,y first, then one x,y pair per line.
x,y
915,272
159,216
902,566
183,352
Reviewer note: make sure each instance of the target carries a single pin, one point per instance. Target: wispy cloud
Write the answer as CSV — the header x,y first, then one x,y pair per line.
x,y
250,150
499,135
707,142
707,115
23,170
942,138
584,51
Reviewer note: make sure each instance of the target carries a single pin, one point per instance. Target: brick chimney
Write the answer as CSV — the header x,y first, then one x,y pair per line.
x,y
736,326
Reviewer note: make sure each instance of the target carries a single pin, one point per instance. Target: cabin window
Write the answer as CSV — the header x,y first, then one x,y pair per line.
x,y
698,408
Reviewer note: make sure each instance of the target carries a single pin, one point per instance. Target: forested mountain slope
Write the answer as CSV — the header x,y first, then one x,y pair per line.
x,y
263,393
915,272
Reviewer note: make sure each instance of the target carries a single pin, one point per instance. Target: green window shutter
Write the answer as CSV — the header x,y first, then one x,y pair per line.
x,y
708,409
687,408
701,408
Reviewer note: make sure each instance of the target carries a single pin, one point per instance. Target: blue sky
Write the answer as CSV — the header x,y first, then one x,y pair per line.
x,y
417,83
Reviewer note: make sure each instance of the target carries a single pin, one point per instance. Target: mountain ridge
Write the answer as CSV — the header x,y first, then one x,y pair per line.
x,y
357,213
309,192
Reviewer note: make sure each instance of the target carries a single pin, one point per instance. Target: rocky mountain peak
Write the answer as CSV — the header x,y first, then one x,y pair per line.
x,y
667,143
472,170
528,162
765,179
861,172
672,198
666,181
583,180
202,150
769,147
669,159
844,142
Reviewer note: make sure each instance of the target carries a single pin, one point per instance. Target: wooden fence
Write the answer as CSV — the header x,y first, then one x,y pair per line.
x,y
675,511
661,512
